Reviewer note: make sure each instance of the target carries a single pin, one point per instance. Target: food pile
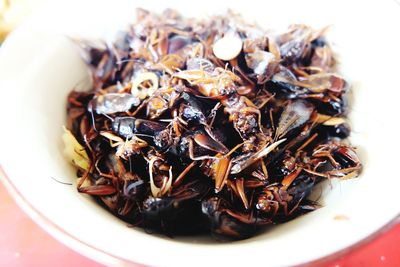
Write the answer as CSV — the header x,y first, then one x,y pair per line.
x,y
209,125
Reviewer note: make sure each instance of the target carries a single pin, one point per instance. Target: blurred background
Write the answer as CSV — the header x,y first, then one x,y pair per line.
x,y
23,243
12,12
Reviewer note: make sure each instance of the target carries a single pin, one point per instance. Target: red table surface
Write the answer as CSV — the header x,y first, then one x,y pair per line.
x,y
23,243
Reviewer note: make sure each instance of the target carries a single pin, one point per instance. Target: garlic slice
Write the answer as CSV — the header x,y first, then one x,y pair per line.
x,y
228,47
74,151
142,93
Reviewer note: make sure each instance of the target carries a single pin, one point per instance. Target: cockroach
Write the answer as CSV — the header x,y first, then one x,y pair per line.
x,y
113,103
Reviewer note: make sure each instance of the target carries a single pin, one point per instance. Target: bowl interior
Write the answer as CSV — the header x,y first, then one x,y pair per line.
x,y
40,65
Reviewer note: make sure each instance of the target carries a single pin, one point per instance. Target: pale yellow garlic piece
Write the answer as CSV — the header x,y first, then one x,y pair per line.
x,y
74,151
329,120
334,121
228,47
138,88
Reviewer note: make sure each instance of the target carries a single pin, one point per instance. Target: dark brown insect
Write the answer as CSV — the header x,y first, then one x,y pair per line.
x,y
209,126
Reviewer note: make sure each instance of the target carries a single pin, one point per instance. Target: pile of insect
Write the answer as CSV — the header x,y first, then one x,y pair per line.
x,y
209,126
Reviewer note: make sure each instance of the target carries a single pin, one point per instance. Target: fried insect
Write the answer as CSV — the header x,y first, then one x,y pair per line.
x,y
209,126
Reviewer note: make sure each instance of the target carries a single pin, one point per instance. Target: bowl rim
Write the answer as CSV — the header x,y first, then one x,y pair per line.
x,y
104,257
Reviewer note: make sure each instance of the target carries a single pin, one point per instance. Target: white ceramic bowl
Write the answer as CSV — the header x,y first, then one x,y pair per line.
x,y
39,65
